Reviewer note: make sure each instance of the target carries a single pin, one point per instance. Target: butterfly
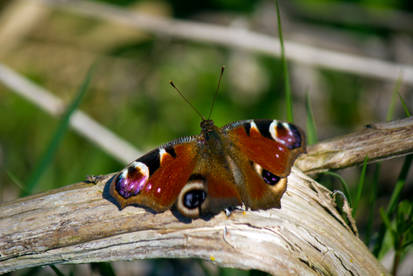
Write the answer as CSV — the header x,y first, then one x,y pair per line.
x,y
245,162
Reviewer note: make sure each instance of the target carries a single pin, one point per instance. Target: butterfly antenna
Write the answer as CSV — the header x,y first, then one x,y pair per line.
x,y
186,100
216,92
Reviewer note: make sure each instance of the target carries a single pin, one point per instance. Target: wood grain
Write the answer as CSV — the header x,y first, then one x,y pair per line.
x,y
377,141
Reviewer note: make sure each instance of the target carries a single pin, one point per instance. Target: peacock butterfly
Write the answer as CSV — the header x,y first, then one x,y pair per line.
x,y
244,162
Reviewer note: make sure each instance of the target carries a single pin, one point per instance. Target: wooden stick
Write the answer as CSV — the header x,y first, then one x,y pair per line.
x,y
377,141
77,224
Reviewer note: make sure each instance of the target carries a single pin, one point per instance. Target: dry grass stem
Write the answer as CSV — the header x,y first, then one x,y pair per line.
x,y
241,38
83,124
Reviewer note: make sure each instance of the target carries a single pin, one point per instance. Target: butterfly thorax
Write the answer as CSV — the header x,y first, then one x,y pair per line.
x,y
212,137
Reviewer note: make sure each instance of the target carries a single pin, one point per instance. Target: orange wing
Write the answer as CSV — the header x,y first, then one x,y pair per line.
x,y
267,150
272,144
155,179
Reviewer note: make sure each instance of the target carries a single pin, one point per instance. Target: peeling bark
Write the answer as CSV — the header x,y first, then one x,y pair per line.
x,y
377,141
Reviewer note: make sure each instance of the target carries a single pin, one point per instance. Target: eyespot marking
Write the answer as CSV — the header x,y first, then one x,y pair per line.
x,y
273,129
270,178
132,179
267,176
286,134
194,198
297,139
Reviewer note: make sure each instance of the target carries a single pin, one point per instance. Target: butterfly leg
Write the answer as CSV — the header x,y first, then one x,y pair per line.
x,y
228,211
94,179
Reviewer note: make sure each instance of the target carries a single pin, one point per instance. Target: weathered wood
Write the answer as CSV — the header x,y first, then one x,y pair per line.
x,y
78,225
377,141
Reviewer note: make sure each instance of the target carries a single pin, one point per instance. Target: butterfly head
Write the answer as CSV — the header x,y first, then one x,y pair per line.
x,y
207,126
211,135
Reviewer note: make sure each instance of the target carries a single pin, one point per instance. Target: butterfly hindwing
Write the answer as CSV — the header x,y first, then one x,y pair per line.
x,y
209,190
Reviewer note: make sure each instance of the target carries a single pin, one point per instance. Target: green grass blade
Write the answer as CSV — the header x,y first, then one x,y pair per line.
x,y
15,180
288,97
346,190
310,125
360,186
56,270
372,203
404,105
387,222
401,181
390,111
48,155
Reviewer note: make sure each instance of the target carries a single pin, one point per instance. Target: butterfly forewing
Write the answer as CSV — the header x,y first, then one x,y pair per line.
x,y
272,144
265,151
155,179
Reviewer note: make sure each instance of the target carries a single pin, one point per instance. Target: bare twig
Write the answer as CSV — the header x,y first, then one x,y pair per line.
x,y
76,225
377,141
80,122
338,12
241,38
17,19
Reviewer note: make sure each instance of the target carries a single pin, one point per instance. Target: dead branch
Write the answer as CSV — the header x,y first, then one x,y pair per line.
x,y
79,225
376,141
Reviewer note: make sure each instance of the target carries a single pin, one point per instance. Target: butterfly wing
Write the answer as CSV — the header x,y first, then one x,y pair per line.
x,y
156,179
246,161
265,151
179,173
209,190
